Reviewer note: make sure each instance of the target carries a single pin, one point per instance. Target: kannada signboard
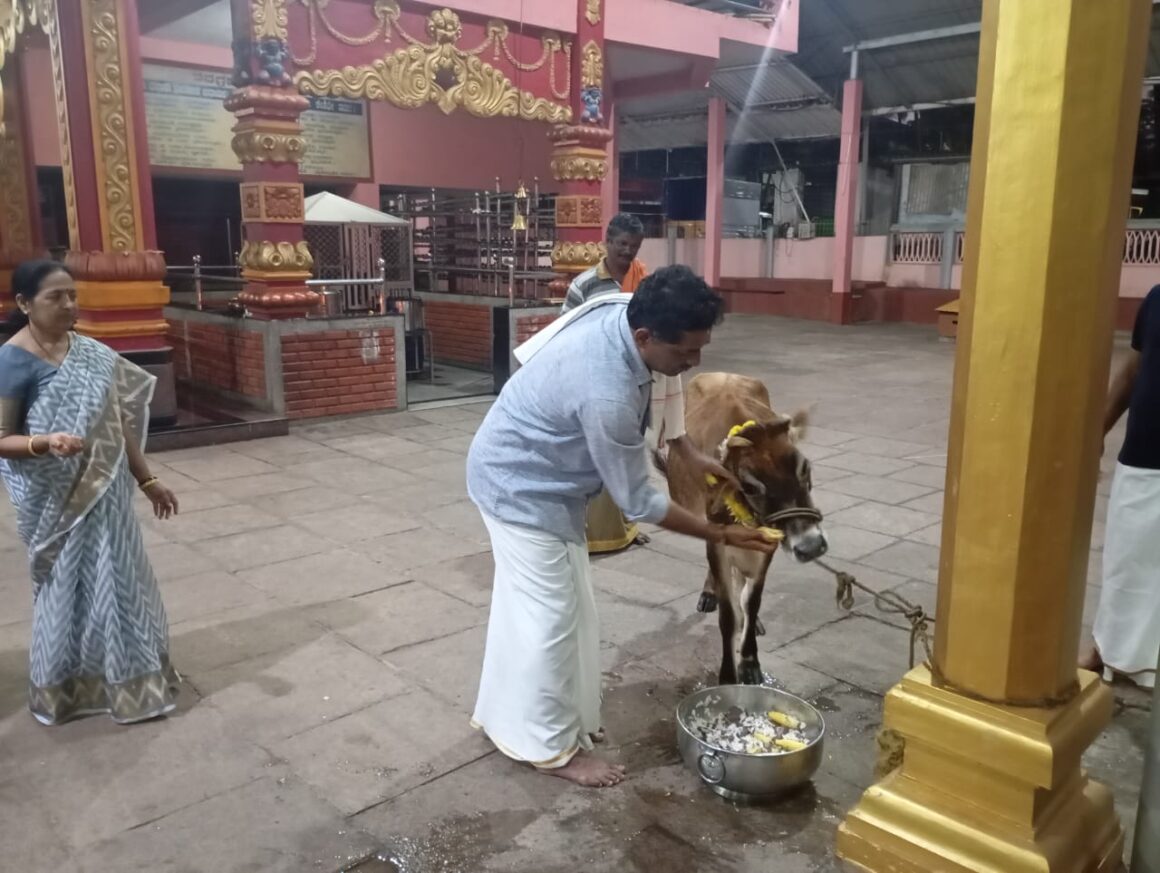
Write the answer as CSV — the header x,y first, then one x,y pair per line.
x,y
189,128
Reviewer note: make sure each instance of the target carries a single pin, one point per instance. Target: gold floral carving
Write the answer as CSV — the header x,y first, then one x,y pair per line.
x,y
251,193
570,168
578,211
575,256
272,202
592,65
15,217
438,72
592,13
269,19
282,257
115,175
258,146
387,17
282,202
58,87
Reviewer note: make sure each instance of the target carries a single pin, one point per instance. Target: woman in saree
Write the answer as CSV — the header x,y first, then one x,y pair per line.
x,y
73,420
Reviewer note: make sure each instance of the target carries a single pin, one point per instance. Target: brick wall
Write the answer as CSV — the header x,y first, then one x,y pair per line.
x,y
223,357
339,372
528,326
461,332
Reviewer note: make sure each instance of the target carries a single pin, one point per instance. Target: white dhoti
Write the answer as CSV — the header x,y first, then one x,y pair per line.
x,y
539,692
1127,625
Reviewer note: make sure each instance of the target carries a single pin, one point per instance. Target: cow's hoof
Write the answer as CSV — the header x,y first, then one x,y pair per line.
x,y
707,603
758,627
750,673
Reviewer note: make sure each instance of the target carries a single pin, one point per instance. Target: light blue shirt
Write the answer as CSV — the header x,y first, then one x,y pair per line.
x,y
571,419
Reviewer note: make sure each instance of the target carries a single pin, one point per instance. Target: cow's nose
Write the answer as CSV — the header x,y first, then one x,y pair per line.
x,y
811,545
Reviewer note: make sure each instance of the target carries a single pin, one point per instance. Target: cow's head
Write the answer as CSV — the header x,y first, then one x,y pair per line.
x,y
775,479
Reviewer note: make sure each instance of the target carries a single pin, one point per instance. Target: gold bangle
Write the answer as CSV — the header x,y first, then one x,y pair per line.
x,y
32,448
148,483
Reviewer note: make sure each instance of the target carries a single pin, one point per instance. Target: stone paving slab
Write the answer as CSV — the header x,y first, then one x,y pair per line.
x,y
328,595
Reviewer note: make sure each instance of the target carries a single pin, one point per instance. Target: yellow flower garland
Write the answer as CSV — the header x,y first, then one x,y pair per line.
x,y
738,511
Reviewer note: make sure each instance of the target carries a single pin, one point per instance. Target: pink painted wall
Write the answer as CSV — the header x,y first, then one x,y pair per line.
x,y
1137,281
423,148
792,258
41,103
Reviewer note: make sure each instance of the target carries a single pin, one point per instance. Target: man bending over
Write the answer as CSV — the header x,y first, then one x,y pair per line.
x,y
574,417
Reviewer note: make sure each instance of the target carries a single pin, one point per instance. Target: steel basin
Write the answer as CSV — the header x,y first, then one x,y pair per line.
x,y
742,777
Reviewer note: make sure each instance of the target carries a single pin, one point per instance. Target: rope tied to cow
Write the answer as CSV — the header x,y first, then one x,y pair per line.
x,y
888,602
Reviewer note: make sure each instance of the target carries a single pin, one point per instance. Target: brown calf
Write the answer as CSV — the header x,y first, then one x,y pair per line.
x,y
775,484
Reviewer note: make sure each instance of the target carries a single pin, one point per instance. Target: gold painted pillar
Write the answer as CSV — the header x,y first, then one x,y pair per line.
x,y
20,231
991,778
109,188
268,141
580,154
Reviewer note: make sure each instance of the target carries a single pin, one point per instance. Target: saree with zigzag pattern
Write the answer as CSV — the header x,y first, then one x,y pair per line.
x,y
100,638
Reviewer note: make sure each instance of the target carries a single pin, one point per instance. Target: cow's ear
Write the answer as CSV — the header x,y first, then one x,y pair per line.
x,y
738,442
777,427
798,425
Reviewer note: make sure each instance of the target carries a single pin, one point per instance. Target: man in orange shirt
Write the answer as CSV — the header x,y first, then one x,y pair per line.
x,y
621,272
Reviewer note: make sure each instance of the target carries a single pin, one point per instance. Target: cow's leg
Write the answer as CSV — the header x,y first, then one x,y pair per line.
x,y
725,618
708,599
753,567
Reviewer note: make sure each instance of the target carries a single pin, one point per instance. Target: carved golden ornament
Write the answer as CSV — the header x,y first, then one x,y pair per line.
x,y
282,202
282,257
578,211
570,168
269,19
115,175
62,125
576,257
417,75
592,65
16,213
592,13
261,146
273,202
251,194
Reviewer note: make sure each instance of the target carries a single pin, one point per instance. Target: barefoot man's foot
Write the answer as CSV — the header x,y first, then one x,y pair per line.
x,y
1092,661
589,771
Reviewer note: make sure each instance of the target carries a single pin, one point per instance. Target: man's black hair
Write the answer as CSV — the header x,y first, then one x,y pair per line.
x,y
673,301
624,223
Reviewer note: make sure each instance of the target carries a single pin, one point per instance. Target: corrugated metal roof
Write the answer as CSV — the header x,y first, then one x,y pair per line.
x,y
776,84
767,102
690,127
787,100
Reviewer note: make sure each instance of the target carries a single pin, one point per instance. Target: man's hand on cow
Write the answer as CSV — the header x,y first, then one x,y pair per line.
x,y
750,538
706,466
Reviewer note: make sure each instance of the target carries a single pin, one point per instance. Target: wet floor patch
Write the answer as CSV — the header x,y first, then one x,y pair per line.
x,y
663,818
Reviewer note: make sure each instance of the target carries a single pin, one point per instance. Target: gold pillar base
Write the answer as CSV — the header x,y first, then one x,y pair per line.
x,y
985,788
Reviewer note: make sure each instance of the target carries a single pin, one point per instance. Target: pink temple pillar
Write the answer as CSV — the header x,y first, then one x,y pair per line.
x,y
610,188
714,191
845,202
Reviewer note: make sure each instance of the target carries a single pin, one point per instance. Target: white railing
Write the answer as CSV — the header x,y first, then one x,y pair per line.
x,y
925,247
916,247
1142,246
